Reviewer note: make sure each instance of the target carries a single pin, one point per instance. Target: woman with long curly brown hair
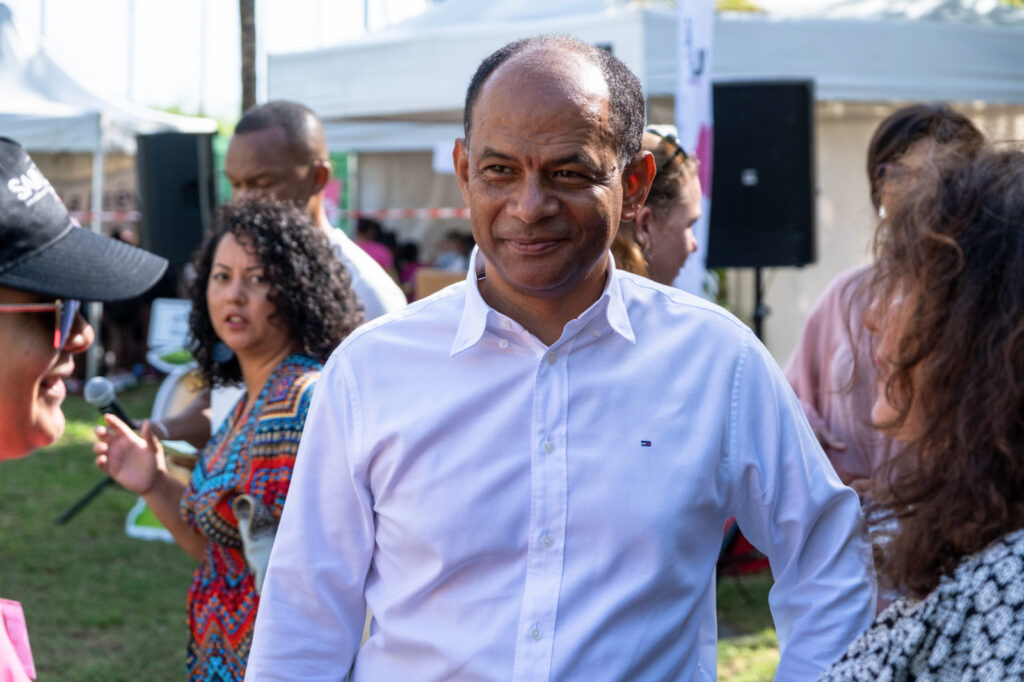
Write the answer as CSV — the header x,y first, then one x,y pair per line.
x,y
948,337
269,304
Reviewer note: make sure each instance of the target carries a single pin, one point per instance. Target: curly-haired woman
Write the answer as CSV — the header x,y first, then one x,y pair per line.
x,y
269,304
948,337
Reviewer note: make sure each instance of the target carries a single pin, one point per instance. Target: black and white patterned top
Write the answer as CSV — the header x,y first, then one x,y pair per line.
x,y
971,627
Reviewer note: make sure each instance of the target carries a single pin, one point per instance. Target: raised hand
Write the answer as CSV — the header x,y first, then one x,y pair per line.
x,y
137,463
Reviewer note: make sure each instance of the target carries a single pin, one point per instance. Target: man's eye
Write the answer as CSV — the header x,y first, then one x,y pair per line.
x,y
568,176
497,169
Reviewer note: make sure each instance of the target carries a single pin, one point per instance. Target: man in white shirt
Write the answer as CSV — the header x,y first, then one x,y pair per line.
x,y
526,475
279,150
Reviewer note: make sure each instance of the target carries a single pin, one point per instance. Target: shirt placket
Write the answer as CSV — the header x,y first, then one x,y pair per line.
x,y
548,507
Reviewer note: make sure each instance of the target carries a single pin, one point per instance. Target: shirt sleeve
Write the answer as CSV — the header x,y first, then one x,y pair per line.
x,y
806,368
312,608
792,506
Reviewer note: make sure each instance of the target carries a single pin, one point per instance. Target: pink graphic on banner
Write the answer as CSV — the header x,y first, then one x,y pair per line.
x,y
704,141
332,200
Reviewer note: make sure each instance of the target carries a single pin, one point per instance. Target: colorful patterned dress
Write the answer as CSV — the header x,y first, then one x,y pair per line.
x,y
253,452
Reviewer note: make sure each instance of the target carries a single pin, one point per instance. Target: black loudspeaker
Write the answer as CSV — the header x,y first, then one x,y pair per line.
x,y
176,193
762,186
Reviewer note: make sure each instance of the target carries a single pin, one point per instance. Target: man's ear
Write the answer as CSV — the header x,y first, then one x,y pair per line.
x,y
636,183
642,227
460,158
321,174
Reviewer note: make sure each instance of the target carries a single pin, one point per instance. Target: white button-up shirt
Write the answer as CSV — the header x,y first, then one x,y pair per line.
x,y
373,287
512,511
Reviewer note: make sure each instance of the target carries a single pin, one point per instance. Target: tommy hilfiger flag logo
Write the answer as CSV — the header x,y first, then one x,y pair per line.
x,y
645,443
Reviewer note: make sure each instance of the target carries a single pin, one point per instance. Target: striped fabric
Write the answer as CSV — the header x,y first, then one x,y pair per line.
x,y
253,452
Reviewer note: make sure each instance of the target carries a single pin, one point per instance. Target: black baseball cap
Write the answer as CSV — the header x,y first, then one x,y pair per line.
x,y
44,252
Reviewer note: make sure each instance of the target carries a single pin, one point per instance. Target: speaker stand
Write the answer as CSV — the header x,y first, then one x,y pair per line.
x,y
761,309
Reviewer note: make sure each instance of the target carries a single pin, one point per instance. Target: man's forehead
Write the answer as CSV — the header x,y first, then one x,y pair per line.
x,y
267,146
551,68
559,93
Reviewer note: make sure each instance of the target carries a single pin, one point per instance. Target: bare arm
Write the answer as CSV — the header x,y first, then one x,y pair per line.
x,y
138,464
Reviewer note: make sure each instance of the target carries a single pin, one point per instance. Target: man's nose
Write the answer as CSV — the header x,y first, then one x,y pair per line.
x,y
241,192
532,201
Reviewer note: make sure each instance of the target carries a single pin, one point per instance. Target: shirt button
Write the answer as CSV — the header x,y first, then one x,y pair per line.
x,y
547,540
503,343
505,324
551,358
536,633
595,333
549,447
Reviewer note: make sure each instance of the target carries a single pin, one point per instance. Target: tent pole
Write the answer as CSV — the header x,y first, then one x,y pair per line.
x,y
92,356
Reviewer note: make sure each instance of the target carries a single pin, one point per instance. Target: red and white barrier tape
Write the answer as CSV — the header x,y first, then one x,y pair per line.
x,y
399,213
377,214
107,216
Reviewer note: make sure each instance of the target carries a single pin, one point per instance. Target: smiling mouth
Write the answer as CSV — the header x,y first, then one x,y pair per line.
x,y
533,245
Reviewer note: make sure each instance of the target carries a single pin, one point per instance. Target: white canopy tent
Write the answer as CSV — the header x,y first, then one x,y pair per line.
x,y
396,95
395,89
46,110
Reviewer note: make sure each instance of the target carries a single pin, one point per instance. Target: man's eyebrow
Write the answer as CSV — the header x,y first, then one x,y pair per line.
x,y
578,158
490,152
262,175
574,158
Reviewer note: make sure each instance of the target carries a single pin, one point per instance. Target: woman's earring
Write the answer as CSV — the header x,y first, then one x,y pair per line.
x,y
221,353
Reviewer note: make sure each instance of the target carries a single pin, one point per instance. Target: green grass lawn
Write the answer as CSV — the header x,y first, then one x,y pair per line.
x,y
99,605
102,606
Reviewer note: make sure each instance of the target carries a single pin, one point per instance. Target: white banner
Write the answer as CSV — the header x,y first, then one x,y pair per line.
x,y
696,19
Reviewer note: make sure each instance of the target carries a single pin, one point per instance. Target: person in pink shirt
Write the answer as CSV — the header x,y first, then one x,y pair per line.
x,y
48,266
831,369
368,234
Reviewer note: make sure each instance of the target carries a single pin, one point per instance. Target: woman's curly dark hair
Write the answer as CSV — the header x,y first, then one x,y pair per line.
x,y
311,290
953,248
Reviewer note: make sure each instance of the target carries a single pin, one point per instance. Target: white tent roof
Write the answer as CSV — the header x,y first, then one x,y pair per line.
x,y
402,88
45,109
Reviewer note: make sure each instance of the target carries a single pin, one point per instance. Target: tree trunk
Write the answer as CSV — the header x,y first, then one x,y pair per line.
x,y
247,22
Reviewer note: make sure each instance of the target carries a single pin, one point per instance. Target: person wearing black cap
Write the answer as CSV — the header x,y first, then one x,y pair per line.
x,y
48,266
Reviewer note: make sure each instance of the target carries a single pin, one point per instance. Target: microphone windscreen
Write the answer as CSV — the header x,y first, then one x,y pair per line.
x,y
99,391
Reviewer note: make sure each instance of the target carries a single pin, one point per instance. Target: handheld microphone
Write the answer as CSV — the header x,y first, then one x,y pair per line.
x,y
99,391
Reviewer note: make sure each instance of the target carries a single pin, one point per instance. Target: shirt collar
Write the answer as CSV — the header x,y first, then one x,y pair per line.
x,y
475,312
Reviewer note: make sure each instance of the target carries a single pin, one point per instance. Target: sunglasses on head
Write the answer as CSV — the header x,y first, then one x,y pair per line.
x,y
64,311
677,147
